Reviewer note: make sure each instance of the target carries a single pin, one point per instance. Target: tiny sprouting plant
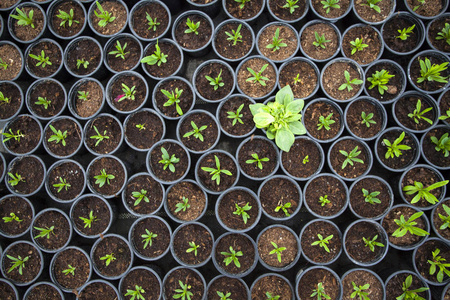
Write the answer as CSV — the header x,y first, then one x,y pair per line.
x,y
66,18
395,147
359,291
445,219
147,238
43,101
224,296
120,51
277,250
242,211
276,42
367,119
284,208
17,263
423,193
58,136
4,99
421,2
348,84
63,184
10,135
183,205
82,62
23,19
173,99
136,293
305,160
139,196
140,126
3,64
372,243
103,178
357,45
371,197
88,221
236,116
444,34
431,72
405,32
405,226
192,27
297,79
151,22
42,60
320,40
291,5
351,157
99,137
232,256
44,232
69,270
438,262
15,179
104,16
108,258
12,217
325,122
256,160
196,132
373,5
322,242
323,200
129,93
258,77
157,57
215,173
320,292
410,294
215,82
443,144
445,116
272,297
183,293
242,3
380,79
418,113
329,4
168,161
235,36
83,95
193,248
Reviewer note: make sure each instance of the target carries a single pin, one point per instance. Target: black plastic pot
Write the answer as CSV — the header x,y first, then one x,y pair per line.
x,y
20,99
178,72
102,287
189,279
18,214
74,132
435,215
393,280
98,71
425,18
374,23
431,40
30,292
27,159
9,288
315,22
92,18
231,282
132,21
19,65
280,281
13,22
51,11
91,123
74,93
6,9
419,268
331,275
430,159
111,46
22,118
211,8
349,288
330,19
247,19
250,116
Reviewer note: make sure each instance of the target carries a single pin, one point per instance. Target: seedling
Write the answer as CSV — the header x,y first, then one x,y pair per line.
x,y
215,173
431,72
380,79
183,205
108,258
196,131
372,243
371,197
69,270
66,17
42,60
351,157
183,293
193,248
357,45
148,238
373,5
444,34
242,211
320,292
192,27
422,2
445,219
129,93
62,185
10,135
58,136
23,19
12,217
404,33
284,208
323,200
139,196
257,160
3,99
408,226
82,62
445,116
82,95
157,57
276,42
103,178
438,262
136,293
325,122
329,4
348,84
423,193
168,161
173,99
291,5
120,51
15,179
305,160
417,114
3,64
322,242
224,296
140,126
258,77
359,291
43,101
395,147
410,294
44,232
236,116
443,144
88,221
99,137
277,250
297,79
215,82
17,263
235,36
242,3
271,297
151,22
320,40
104,16
367,119
232,256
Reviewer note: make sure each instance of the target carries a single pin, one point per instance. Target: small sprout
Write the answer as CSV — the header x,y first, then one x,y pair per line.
x,y
157,57
232,256
66,17
109,258
348,84
88,221
82,62
82,95
236,116
320,40
305,160
438,262
99,137
12,217
193,248
58,136
43,101
372,243
359,291
215,82
129,93
404,33
3,64
328,4
215,173
44,232
3,99
258,77
443,144
371,197
242,211
183,293
242,3
183,205
62,185
151,22
120,51
136,293
446,116
17,263
418,114
173,98
395,147
423,193
284,208
431,72
257,160
192,27
351,157
323,200
69,270
373,5
104,16
380,79
147,238
297,79
15,179
235,36
410,294
320,292
357,45
445,219
422,2
139,196
276,42
224,296
168,160
367,119
196,131
277,250
408,226
271,297
140,126
42,60
291,4
322,242
23,19
444,34
103,178
325,122
11,135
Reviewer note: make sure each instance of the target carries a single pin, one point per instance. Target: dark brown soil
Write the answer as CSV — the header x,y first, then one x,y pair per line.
x,y
197,234
309,281
100,211
427,177
438,222
160,243
337,159
282,238
436,26
58,237
226,163
299,150
27,33
119,249
50,90
334,12
87,108
250,10
117,10
241,243
78,15
278,192
52,51
369,37
72,174
228,205
308,37
113,132
426,85
204,87
365,209
31,131
7,292
276,6
307,79
406,105
8,3
87,50
360,278
424,255
311,119
369,14
252,88
394,85
444,105
154,194
316,253
192,40
333,77
405,158
209,134
21,209
32,265
140,22
325,186
143,278
11,92
76,259
72,140
111,167
173,59
429,9
187,277
10,55
163,172
286,36
226,48
147,137
228,285
231,105
186,97
356,247
191,191
32,172
395,284
264,149
355,122
390,33
98,291
132,55
49,291
273,284
117,92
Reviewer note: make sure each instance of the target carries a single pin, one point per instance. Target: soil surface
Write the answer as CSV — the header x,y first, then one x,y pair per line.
x,y
278,192
424,255
253,88
337,159
112,246
361,278
213,70
239,243
187,277
197,200
282,238
286,36
371,15
143,138
415,73
228,285
264,149
284,13
228,206
186,97
198,235
436,26
52,91
366,209
97,291
395,284
131,58
8,3
50,292
86,50
94,93
163,172
27,33
438,222
316,52
73,139
355,121
301,149
143,278
32,172
407,105
357,248
333,77
275,285
312,116
76,259
108,127
232,105
100,211
192,40
117,91
159,244
250,9
317,253
72,174
51,51
139,21
309,281
173,58
111,167
369,37
33,264
303,85
117,10
326,186
427,177
226,47
407,156
58,237
10,55
394,85
208,134
334,12
429,9
78,15
226,163
153,192
21,209
10,91
391,32
7,292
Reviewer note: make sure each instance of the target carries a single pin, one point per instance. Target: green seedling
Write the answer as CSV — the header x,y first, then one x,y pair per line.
x,y
168,161
445,116
3,99
320,292
136,293
12,217
258,77
367,119
323,200
242,211
445,219
272,297
192,27
10,135
82,62
373,5
417,114
147,238
103,178
360,291
215,173
108,258
329,4
405,32
379,79
196,132
371,197
297,79
325,122
15,179
276,42
323,242
157,57
104,16
139,196
443,144
257,160
291,5
58,136
151,22
193,248
348,84
82,95
438,262
17,263
351,157
284,208
320,40
421,2
129,93
236,116
44,232
410,294
140,126
23,19
395,147
183,293
372,243
235,36
305,160
120,51
62,185
431,72
423,193
405,226
66,18
215,82
88,221
42,60
224,296
173,99
43,101
242,3
183,205
99,137
277,250
444,34
357,45
69,270
232,256
3,64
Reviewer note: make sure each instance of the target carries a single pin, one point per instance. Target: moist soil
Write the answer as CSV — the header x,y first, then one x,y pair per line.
x,y
286,35
369,14
232,105
158,14
253,88
276,6
365,209
117,10
163,173
311,119
337,159
405,158
308,38
329,186
33,264
8,3
307,82
369,37
10,91
59,236
73,175
333,77
226,163
390,226
97,291
112,167
73,139
278,192
444,105
424,255
299,150
438,222
210,134
250,10
87,108
194,193
407,105
390,33
21,209
360,278
273,284
427,85
356,247
29,127
52,51
32,172
132,55
154,194
228,285
143,278
10,56
309,281
78,15
316,253
282,238
76,259
121,251
27,33
116,92
113,131
264,149
145,138
427,177
204,87
53,92
198,235
429,9
354,119
50,292
193,41
226,48
187,277
87,50
228,205
435,28
186,98
8,293
394,86
395,284
160,243
429,148
241,243
99,210
334,12
174,57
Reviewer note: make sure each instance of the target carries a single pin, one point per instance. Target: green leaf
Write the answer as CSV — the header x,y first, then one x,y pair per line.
x,y
284,139
263,119
295,106
297,128
284,96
